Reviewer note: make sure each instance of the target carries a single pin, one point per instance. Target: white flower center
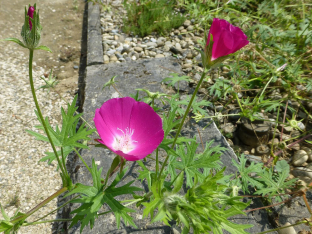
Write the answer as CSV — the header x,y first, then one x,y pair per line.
x,y
124,142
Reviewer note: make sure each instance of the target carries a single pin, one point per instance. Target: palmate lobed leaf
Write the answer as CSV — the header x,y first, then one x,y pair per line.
x,y
67,136
176,78
191,163
203,208
244,171
92,198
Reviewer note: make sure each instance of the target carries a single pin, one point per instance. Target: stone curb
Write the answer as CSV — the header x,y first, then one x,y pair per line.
x,y
95,48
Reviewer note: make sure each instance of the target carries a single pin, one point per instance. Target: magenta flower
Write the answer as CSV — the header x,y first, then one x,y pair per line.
x,y
227,38
30,13
129,128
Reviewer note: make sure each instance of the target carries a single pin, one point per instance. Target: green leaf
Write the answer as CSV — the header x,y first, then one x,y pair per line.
x,y
119,210
145,174
244,171
51,156
178,183
17,41
67,137
191,163
176,78
45,48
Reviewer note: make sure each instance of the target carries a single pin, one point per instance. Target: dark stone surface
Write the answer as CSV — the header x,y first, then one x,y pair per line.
x,y
294,211
95,50
146,74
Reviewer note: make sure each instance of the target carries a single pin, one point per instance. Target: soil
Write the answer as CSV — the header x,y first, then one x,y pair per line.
x,y
62,32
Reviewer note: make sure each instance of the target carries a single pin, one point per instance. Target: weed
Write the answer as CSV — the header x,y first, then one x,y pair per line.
x,y
146,17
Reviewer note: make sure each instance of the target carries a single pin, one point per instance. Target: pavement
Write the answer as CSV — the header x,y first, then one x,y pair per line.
x,y
146,74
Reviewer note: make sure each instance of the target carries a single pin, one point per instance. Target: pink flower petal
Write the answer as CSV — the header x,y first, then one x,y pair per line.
x,y
227,39
129,128
223,46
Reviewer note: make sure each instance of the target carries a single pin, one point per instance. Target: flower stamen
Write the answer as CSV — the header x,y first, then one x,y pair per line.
x,y
124,142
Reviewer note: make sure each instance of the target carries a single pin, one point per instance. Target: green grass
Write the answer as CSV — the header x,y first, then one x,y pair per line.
x,y
146,17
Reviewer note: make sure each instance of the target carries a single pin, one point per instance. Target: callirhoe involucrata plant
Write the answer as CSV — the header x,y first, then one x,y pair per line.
x,y
133,130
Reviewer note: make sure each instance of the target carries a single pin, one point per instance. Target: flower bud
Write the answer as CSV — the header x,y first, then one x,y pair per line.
x,y
223,39
30,13
31,29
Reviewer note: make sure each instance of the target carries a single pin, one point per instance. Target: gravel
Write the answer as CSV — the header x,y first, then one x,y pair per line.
x,y
24,182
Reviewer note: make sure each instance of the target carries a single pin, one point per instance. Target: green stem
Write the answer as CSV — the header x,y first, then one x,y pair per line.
x,y
265,87
183,119
60,207
47,221
82,160
43,203
157,162
31,55
237,99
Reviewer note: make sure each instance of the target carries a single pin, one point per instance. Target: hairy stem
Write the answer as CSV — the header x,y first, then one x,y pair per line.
x,y
31,55
183,119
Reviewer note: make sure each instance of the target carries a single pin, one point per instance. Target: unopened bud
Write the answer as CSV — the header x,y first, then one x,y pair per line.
x,y
31,29
30,13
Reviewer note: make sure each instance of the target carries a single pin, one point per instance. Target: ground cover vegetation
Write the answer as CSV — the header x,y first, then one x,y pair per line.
x,y
275,56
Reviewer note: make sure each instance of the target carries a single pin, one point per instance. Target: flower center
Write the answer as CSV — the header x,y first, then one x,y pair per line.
x,y
124,142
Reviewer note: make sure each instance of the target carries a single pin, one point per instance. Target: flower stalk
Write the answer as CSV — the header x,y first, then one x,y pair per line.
x,y
62,167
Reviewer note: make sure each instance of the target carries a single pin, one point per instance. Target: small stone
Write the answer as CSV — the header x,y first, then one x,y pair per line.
x,y
138,49
110,52
187,65
153,40
188,61
178,46
301,126
183,31
303,171
308,151
252,158
187,23
299,158
219,108
262,149
296,146
253,151
183,44
189,56
76,67
167,48
160,43
190,28
152,53
175,50
133,58
286,129
289,230
106,59
159,56
229,128
175,231
151,45
275,141
113,58
230,142
176,32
